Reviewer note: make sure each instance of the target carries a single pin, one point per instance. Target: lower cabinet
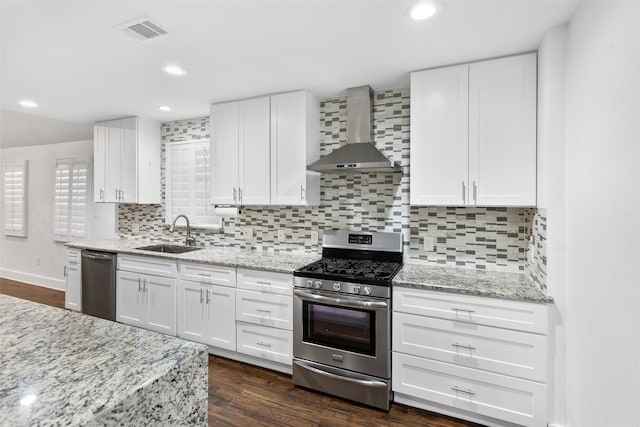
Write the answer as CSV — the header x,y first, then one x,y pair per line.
x,y
145,300
206,313
264,342
475,358
73,276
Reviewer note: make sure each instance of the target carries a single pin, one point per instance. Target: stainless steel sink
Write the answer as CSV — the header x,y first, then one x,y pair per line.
x,y
169,249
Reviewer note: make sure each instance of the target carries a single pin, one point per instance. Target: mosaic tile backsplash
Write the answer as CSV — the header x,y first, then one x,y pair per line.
x,y
496,239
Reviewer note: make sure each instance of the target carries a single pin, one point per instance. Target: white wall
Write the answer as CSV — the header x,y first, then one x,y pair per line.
x,y
551,199
37,259
603,215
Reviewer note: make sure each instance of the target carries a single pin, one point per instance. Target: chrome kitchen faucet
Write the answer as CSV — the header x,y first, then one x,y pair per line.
x,y
189,241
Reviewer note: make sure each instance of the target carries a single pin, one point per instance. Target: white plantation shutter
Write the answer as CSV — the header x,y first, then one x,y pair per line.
x,y
70,200
15,197
187,171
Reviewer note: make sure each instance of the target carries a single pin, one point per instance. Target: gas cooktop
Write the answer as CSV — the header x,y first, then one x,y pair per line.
x,y
351,270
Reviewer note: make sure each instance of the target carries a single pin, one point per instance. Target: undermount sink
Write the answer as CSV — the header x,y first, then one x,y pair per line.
x,y
169,249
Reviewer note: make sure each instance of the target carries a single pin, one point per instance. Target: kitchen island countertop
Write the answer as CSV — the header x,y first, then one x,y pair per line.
x,y
65,368
510,286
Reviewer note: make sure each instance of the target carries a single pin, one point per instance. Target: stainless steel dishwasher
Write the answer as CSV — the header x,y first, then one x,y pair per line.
x,y
99,284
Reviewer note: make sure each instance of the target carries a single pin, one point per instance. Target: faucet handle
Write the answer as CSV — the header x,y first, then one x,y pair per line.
x,y
191,241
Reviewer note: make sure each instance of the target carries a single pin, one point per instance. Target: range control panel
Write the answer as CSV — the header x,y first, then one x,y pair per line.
x,y
361,239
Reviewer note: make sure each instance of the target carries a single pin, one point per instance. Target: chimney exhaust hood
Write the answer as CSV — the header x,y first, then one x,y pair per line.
x,y
358,155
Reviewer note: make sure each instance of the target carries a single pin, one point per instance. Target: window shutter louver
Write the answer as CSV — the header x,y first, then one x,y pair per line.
x,y
70,200
15,198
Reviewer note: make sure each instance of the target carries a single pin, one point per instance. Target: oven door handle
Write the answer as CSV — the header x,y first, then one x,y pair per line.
x,y
340,301
368,383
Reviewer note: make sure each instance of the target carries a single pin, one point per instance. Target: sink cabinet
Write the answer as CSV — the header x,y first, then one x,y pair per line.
x,y
127,161
146,293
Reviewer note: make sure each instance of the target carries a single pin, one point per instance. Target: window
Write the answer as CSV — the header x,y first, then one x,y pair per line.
x,y
70,200
15,176
187,183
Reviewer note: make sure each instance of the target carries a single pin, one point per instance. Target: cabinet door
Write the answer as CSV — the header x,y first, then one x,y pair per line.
x,y
161,306
73,294
114,139
254,136
288,148
192,323
99,162
129,160
131,301
220,315
502,131
223,129
439,136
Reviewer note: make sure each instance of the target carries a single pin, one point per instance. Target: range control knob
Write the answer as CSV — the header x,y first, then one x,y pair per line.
x,y
308,283
366,290
356,289
317,284
336,286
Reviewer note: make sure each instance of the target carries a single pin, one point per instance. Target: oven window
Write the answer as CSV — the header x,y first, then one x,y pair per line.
x,y
342,328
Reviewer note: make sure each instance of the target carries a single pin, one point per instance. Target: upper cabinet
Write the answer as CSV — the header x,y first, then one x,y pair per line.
x,y
127,161
295,143
260,149
473,134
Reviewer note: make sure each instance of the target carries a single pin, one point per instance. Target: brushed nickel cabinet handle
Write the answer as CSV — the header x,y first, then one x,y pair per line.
x,y
468,347
464,193
475,192
462,390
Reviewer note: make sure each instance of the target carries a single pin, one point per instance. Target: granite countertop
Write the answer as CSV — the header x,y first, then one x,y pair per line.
x,y
65,368
282,262
511,286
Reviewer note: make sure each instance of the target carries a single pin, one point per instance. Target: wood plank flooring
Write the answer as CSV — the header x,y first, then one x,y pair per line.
x,y
245,395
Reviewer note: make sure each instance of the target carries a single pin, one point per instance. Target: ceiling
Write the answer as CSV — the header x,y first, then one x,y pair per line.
x,y
72,59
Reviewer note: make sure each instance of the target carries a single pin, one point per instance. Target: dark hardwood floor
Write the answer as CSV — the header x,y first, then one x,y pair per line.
x,y
245,395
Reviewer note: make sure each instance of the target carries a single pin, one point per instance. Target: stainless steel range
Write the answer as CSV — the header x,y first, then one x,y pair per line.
x,y
342,317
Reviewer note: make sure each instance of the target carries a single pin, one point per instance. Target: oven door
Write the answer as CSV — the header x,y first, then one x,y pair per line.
x,y
348,332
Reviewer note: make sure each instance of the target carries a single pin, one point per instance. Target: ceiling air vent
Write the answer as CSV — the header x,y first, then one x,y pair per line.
x,y
143,29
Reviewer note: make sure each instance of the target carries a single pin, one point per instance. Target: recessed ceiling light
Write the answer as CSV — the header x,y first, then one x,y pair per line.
x,y
164,108
423,11
28,399
28,104
174,70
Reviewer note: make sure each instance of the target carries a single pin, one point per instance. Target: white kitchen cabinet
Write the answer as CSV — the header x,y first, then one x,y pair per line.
x,y
295,143
240,134
476,358
146,300
73,275
206,304
264,314
127,161
473,134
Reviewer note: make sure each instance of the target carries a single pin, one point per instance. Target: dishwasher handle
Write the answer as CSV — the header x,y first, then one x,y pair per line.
x,y
98,255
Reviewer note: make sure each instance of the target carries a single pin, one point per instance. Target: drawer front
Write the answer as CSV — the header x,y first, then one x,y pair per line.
x,y
503,351
516,315
73,256
147,265
265,281
509,399
264,342
207,274
264,309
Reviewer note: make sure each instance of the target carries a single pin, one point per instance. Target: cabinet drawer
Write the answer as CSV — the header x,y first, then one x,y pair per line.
x,y
264,309
264,342
497,350
147,265
265,281
520,316
207,274
73,256
510,399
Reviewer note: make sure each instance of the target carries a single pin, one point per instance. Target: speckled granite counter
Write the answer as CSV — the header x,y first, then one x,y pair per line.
x,y
510,286
282,262
58,367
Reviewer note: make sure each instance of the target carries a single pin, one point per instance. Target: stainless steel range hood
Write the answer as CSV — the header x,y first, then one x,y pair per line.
x,y
358,155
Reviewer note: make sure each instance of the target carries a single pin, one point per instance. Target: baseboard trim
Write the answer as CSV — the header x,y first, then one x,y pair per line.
x,y
34,279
